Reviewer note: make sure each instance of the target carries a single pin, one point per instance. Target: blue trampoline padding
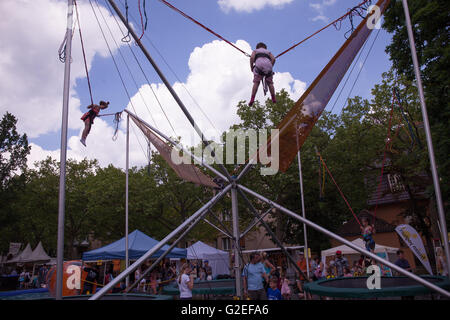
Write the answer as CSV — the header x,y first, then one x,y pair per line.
x,y
19,292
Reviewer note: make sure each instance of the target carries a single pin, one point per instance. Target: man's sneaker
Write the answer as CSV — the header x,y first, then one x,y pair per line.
x,y
251,103
83,142
274,100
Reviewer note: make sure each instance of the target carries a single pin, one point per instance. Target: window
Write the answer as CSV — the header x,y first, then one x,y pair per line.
x,y
226,244
242,243
395,183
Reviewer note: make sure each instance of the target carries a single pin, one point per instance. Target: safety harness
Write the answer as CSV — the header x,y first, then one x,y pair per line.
x,y
262,73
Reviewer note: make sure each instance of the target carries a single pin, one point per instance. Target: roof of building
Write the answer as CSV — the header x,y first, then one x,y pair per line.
x,y
352,228
385,194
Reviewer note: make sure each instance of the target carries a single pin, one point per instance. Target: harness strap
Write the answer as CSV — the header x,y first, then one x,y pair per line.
x,y
262,55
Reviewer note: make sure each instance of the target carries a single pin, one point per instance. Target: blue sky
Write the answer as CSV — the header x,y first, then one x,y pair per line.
x,y
190,52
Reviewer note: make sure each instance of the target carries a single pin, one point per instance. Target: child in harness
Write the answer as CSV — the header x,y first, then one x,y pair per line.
x,y
261,64
88,118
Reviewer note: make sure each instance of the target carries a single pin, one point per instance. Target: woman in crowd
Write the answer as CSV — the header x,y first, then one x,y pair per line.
x,y
185,282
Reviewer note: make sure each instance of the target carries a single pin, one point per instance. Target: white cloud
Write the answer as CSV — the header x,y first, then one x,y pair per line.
x,y
219,78
32,75
31,85
250,5
320,8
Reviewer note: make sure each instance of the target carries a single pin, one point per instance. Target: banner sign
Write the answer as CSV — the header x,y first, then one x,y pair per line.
x,y
14,248
415,243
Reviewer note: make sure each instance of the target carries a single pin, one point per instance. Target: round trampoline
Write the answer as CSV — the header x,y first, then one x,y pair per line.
x,y
356,287
212,287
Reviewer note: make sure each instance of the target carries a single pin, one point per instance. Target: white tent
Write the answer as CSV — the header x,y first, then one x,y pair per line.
x,y
347,251
38,255
23,256
217,259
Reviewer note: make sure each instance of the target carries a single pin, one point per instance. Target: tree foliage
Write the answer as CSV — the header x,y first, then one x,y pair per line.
x,y
430,27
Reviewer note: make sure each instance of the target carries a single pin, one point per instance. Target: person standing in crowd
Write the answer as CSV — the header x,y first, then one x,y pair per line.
x,y
185,282
319,273
268,268
402,262
254,274
42,276
91,279
208,270
109,274
285,289
314,265
301,263
340,263
441,263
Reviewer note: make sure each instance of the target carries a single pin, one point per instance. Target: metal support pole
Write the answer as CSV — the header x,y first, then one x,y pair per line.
x,y
237,269
255,222
160,244
437,188
303,211
347,243
63,155
169,87
225,230
271,233
217,228
127,166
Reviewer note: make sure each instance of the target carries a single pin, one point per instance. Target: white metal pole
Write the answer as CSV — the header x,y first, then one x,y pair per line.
x,y
437,188
127,261
303,212
63,154
236,233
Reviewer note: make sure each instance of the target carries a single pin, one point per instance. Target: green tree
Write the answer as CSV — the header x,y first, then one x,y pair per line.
x,y
14,150
430,27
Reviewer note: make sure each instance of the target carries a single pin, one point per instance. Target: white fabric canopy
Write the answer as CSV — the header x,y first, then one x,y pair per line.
x,y
23,256
360,243
217,259
38,254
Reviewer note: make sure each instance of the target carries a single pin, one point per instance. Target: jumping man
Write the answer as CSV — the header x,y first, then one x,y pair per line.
x,y
89,116
261,64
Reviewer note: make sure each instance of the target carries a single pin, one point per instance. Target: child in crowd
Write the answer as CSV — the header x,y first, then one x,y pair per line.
x,y
347,272
285,289
319,272
331,270
273,293
154,283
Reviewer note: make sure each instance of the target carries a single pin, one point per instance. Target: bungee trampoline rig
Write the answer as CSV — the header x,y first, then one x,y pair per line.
x,y
293,131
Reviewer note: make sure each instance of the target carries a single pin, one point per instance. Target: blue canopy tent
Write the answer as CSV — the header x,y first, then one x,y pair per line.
x,y
138,244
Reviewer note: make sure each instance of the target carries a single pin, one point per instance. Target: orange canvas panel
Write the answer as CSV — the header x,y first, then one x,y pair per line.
x,y
298,123
185,171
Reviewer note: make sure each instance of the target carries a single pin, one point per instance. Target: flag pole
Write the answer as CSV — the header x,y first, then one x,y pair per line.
x,y
127,165
63,154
